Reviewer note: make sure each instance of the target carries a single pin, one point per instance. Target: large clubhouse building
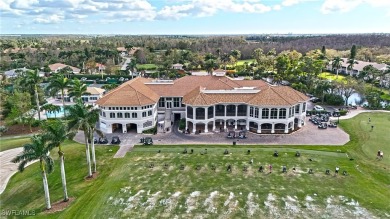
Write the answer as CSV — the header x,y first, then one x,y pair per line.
x,y
207,103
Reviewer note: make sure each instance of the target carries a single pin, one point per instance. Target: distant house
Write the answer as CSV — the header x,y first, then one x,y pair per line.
x,y
219,72
100,68
13,73
357,68
177,66
94,93
55,68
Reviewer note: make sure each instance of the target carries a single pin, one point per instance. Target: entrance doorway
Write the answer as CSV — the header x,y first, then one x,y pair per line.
x,y
131,127
177,116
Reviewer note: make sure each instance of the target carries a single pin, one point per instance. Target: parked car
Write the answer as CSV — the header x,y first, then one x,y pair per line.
x,y
315,99
148,141
318,108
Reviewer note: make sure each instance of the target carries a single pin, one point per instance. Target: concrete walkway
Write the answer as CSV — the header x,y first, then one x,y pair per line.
x,y
8,169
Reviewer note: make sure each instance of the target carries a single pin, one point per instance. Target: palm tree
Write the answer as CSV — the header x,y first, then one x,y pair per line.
x,y
32,79
80,117
58,83
55,132
351,62
209,65
77,89
51,108
93,118
337,63
37,150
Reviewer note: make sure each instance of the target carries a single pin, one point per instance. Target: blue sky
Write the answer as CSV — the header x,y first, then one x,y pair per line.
x,y
193,16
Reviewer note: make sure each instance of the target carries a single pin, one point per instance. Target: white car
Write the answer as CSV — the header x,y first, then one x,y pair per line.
x,y
318,108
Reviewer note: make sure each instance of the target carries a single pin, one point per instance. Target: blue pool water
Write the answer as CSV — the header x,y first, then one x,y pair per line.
x,y
56,114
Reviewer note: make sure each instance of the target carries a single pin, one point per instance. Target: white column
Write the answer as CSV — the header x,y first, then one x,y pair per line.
x,y
214,124
214,112
124,129
273,128
193,127
286,128
224,124
247,125
194,114
206,129
235,122
225,109
206,113
258,128
236,110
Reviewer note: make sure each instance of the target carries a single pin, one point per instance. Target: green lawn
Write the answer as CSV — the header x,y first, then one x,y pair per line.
x,y
331,76
127,187
241,62
7,143
147,66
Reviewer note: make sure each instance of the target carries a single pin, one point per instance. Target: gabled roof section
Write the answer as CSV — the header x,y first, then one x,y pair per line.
x,y
131,93
269,97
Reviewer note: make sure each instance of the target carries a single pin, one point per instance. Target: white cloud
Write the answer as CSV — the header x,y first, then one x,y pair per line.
x,y
287,3
276,7
52,19
343,6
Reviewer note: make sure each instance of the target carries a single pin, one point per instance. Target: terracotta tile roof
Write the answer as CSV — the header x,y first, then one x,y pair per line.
x,y
131,93
57,66
277,96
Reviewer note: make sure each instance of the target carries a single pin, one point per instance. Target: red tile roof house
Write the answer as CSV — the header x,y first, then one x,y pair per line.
x,y
100,68
208,103
58,66
357,68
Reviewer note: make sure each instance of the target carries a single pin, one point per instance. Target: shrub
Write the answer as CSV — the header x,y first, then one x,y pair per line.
x,y
151,130
343,112
3,129
182,124
334,99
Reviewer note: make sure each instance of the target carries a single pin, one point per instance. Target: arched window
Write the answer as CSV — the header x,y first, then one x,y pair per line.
x,y
282,113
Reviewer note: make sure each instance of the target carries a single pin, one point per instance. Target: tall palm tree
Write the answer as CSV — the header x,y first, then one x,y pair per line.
x,y
351,62
77,89
337,63
79,117
58,83
37,150
32,78
55,133
51,108
93,118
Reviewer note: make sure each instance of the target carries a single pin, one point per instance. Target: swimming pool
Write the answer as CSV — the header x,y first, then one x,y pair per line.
x,y
55,114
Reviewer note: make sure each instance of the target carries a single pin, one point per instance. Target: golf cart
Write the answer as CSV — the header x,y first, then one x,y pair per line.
x,y
332,125
241,134
323,125
231,134
115,140
103,140
148,141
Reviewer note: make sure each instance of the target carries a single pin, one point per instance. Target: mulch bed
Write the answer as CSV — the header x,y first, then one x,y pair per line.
x,y
19,129
94,176
59,206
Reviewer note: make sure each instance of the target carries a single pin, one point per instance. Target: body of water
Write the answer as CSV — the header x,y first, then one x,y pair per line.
x,y
55,114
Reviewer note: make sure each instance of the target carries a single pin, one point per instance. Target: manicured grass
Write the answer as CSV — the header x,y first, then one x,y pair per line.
x,y
147,66
331,76
241,62
7,143
127,187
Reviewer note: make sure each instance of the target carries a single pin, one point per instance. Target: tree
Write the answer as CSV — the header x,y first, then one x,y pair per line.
x,y
77,89
93,118
131,67
209,65
58,83
351,62
236,54
353,52
347,88
51,108
55,133
90,65
337,63
33,79
108,87
80,119
37,150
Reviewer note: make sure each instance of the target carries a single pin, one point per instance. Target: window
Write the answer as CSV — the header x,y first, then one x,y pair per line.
x,y
109,108
297,108
161,102
251,111
127,115
143,114
149,112
134,115
176,102
120,108
104,114
112,115
282,113
117,108
256,112
265,113
274,113
120,115
304,107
